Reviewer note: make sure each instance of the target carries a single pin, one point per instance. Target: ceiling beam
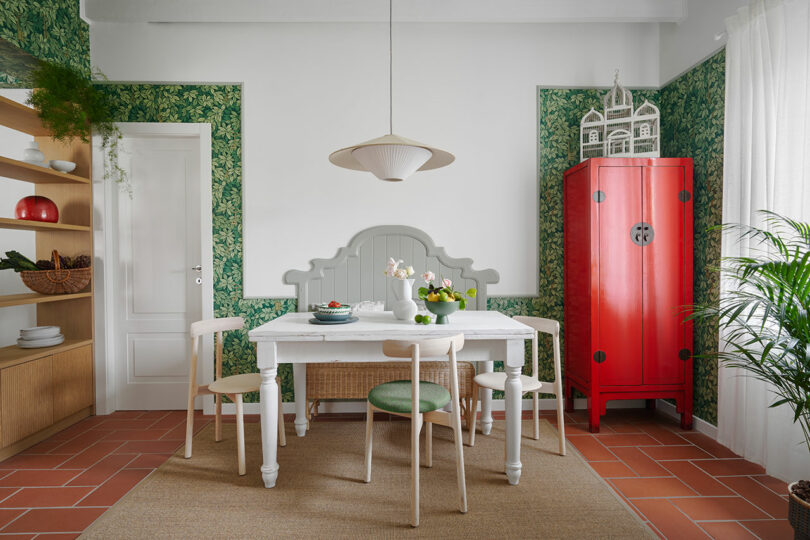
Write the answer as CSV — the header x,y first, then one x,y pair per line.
x,y
425,11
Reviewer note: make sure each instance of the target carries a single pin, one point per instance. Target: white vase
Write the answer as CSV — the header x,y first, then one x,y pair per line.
x,y
33,155
404,307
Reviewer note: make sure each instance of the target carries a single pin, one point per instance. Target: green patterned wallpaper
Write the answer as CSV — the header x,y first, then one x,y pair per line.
x,y
692,116
692,126
47,29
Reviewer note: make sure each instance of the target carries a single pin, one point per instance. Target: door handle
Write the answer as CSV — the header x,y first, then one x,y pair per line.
x,y
197,268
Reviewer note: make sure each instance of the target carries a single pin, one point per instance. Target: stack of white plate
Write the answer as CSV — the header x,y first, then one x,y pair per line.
x,y
40,336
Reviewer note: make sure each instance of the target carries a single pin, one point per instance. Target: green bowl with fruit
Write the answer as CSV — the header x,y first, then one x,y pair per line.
x,y
442,310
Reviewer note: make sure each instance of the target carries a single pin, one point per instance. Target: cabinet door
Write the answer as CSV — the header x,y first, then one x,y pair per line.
x,y
619,295
27,399
72,381
663,275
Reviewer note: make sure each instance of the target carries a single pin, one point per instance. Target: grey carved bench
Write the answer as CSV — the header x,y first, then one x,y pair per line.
x,y
356,274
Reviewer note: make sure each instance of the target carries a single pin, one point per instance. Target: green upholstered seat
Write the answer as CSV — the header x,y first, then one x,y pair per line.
x,y
395,396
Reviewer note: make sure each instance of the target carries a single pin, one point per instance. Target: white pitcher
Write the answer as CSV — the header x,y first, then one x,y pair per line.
x,y
404,307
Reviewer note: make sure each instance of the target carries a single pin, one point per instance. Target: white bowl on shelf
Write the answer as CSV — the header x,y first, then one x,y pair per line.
x,y
37,343
39,332
62,165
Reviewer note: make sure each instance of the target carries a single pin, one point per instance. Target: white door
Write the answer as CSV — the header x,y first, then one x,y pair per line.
x,y
157,274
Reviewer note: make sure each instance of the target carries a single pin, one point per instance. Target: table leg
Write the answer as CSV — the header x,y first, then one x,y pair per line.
x,y
513,391
486,400
300,383
268,396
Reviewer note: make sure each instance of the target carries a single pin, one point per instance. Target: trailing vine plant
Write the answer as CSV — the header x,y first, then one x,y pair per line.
x,y
70,106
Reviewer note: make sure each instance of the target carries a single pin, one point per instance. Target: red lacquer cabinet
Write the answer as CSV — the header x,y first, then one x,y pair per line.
x,y
628,279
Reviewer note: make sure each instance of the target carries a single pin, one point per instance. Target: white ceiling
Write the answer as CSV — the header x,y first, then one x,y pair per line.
x,y
468,11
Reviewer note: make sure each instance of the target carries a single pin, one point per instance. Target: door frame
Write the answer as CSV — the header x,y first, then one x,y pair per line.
x,y
105,247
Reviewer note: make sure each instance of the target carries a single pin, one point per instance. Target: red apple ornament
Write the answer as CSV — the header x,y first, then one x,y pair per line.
x,y
36,208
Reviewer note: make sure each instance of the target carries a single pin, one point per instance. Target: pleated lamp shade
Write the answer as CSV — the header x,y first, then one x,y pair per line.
x,y
391,157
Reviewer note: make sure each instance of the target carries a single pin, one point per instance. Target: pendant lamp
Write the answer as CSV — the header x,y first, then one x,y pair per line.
x,y
391,157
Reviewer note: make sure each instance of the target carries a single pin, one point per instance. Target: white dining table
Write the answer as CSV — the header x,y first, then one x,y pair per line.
x,y
292,339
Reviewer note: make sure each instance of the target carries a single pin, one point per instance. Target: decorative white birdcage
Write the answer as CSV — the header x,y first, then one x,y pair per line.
x,y
621,131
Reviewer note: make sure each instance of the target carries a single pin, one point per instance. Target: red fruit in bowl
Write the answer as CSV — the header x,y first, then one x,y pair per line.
x,y
334,304
36,208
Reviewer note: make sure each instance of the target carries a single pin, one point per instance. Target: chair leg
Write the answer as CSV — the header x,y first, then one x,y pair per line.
x,y
240,435
416,428
473,413
429,445
457,438
189,424
369,431
560,416
282,435
218,418
536,413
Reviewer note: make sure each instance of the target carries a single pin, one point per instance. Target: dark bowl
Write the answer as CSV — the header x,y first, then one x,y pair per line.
x,y
332,316
442,310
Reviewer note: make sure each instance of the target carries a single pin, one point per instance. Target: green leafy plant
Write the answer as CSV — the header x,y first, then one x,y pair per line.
x,y
764,312
70,106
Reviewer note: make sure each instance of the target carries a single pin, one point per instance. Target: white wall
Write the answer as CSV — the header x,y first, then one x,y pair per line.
x,y
689,42
12,144
310,89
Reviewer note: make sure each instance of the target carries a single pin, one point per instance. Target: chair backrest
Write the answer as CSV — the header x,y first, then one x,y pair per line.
x,y
547,326
395,348
207,327
356,272
417,349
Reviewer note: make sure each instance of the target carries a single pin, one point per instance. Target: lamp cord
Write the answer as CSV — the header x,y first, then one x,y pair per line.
x,y
390,68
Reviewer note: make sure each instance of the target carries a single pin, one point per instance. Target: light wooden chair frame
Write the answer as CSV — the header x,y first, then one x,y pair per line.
x,y
535,386
233,387
415,350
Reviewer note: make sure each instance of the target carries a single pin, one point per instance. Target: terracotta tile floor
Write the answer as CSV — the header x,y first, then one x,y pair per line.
x,y
683,484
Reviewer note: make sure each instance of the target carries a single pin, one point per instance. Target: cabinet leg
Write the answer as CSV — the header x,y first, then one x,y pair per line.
x,y
594,407
651,404
686,419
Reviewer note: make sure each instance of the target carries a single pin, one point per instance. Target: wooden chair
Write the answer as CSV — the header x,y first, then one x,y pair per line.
x,y
398,397
497,380
233,387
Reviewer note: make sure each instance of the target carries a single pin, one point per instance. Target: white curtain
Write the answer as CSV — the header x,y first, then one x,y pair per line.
x,y
767,166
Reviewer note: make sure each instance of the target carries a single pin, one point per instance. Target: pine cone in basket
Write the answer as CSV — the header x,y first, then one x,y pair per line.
x,y
802,490
64,262
82,261
42,264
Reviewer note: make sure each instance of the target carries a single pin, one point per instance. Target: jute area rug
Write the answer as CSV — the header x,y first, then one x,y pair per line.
x,y
320,494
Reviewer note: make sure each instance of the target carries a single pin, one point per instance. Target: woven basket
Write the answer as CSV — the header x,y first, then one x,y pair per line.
x,y
350,380
57,281
798,515
354,380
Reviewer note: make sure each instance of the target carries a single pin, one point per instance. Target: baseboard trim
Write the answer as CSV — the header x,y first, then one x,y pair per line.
x,y
698,424
359,406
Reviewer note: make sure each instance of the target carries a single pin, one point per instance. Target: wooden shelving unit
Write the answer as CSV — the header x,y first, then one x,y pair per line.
x,y
21,118
13,355
10,300
26,225
42,390
20,170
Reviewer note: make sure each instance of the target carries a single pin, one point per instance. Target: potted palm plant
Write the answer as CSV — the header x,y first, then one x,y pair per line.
x,y
765,313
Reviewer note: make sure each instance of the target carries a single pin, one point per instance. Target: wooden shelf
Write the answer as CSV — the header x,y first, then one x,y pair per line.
x,y
19,170
42,226
21,118
13,355
9,300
